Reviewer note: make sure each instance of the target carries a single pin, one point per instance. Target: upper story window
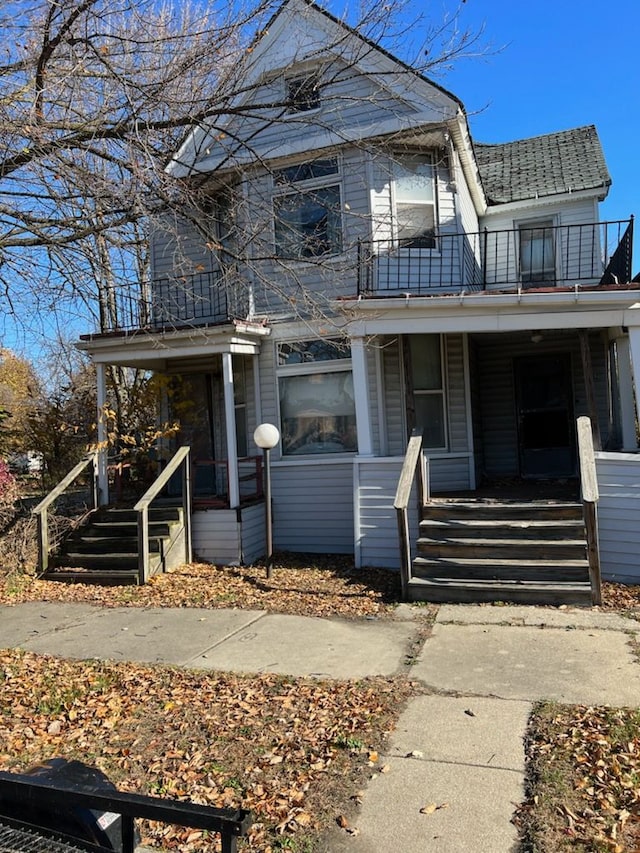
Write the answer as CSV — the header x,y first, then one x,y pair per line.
x,y
415,201
303,93
307,210
317,405
537,251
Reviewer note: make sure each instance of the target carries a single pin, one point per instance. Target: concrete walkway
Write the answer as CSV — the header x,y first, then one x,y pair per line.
x,y
458,747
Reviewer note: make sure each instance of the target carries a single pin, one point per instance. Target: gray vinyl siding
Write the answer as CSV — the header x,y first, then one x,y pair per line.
x,y
502,255
495,372
313,506
348,101
619,516
216,537
394,397
455,394
253,535
178,248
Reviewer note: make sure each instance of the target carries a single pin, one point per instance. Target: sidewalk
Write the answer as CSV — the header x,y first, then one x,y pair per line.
x,y
459,746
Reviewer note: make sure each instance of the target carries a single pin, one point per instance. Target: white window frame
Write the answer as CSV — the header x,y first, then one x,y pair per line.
x,y
441,392
542,222
330,366
305,188
396,164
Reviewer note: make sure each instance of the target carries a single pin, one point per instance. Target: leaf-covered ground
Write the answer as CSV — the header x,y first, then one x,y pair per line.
x,y
293,751
584,776
317,586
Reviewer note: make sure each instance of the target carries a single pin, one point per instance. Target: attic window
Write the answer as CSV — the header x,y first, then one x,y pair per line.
x,y
303,94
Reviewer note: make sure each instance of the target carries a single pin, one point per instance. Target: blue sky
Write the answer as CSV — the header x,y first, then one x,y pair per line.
x,y
559,64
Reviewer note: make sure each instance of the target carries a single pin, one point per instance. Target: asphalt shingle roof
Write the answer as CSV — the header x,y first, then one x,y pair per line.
x,y
570,160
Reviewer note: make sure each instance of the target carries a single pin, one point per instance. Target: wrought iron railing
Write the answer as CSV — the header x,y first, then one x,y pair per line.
x,y
532,256
175,302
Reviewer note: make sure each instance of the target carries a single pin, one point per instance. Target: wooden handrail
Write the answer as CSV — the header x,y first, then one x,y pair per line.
x,y
413,461
181,458
41,510
590,496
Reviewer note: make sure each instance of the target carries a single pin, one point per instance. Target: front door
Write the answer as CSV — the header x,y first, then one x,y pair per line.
x,y
544,404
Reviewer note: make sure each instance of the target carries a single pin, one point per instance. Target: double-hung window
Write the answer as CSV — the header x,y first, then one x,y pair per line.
x,y
317,406
537,251
428,389
415,201
307,210
303,93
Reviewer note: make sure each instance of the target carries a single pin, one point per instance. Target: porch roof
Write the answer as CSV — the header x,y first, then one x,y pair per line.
x,y
488,311
156,350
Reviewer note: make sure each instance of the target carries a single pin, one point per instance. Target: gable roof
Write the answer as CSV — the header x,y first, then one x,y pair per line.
x,y
553,164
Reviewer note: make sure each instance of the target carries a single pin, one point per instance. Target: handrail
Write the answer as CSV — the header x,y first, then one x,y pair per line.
x,y
41,510
181,458
590,496
413,460
230,823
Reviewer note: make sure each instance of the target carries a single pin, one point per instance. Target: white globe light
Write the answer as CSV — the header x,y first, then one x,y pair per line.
x,y
266,436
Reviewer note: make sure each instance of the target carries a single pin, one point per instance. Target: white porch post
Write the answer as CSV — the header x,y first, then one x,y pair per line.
x,y
361,396
101,394
625,391
230,423
634,347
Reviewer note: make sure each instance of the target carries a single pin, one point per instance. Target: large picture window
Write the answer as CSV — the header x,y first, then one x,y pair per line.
x,y
307,210
317,408
428,389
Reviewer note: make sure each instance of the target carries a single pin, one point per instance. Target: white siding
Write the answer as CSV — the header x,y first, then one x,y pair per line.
x,y
572,249
313,506
619,516
254,541
216,537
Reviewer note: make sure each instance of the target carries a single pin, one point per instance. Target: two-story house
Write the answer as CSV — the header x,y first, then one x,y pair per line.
x,y
362,267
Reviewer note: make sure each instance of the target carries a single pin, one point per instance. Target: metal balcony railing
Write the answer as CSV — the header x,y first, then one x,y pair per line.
x,y
174,302
537,255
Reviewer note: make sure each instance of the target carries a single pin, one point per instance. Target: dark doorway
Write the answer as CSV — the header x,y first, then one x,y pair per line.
x,y
544,403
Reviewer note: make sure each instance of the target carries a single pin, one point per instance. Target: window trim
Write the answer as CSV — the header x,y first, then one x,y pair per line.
x,y
304,187
442,392
521,225
329,366
396,161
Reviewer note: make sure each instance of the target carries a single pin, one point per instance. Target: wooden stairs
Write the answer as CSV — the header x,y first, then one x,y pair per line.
x,y
485,550
104,550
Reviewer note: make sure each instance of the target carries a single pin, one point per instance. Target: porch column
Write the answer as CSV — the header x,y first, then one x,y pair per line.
x,y
101,395
361,396
230,423
634,346
625,392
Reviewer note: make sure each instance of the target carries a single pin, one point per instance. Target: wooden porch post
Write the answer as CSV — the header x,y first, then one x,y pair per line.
x,y
634,347
361,394
230,423
101,394
625,392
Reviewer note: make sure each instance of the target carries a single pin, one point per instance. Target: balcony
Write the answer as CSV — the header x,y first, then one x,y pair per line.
x,y
539,255
165,304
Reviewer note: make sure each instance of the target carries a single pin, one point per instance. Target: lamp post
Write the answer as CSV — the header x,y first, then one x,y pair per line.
x,y
266,436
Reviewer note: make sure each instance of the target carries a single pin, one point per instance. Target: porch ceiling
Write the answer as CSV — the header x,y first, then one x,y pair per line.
x,y
159,350
497,312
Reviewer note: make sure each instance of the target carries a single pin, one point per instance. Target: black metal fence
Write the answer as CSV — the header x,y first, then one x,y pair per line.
x,y
175,302
532,256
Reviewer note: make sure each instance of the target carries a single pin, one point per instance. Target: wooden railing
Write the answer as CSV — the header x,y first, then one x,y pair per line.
x,y
590,497
180,460
414,461
42,509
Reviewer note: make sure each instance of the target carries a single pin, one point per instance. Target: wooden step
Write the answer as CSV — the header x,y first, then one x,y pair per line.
x,y
452,569
449,509
489,528
103,578
504,549
517,592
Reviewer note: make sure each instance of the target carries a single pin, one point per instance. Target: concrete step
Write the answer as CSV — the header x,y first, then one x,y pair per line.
x,y
530,592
